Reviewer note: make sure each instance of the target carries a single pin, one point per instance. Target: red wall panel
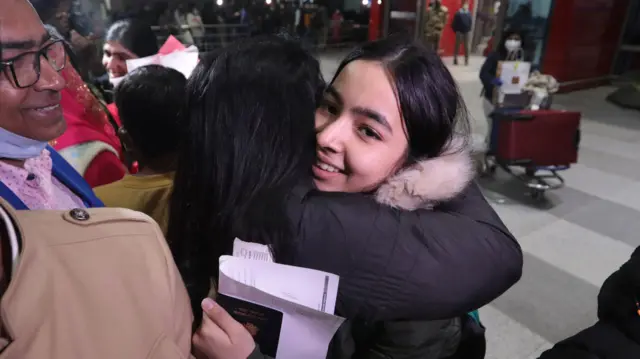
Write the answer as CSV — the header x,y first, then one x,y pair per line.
x,y
447,42
375,19
583,38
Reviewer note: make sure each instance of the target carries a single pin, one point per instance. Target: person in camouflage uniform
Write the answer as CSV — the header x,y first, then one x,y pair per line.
x,y
435,19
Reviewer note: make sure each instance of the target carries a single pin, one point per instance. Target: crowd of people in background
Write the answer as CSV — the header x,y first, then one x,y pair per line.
x,y
219,24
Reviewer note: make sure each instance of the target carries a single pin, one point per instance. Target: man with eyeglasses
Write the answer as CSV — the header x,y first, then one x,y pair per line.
x,y
32,174
95,283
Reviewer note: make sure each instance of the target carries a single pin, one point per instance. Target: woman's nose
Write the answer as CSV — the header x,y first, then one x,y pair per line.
x,y
106,62
331,136
111,63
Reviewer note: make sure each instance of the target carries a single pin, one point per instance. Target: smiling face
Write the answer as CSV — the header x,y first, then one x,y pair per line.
x,y
360,131
33,112
114,58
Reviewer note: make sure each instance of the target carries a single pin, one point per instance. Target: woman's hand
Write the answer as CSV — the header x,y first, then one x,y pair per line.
x,y
220,336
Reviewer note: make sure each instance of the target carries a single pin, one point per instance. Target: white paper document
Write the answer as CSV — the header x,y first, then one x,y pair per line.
x,y
514,75
184,61
305,297
249,250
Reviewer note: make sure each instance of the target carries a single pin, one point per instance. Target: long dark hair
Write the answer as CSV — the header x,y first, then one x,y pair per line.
x,y
430,101
250,138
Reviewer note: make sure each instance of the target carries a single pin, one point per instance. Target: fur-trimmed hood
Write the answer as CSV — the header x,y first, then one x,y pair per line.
x,y
429,181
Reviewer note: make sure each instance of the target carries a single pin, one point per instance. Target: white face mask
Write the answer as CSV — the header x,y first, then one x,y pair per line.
x,y
512,45
16,147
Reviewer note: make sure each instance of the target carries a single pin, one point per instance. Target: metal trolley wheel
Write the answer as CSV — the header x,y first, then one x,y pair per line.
x,y
488,166
537,194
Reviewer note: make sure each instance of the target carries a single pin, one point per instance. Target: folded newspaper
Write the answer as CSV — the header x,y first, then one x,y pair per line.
x,y
288,310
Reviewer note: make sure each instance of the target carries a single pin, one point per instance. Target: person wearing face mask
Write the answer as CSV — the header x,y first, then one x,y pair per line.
x,y
511,49
461,25
32,174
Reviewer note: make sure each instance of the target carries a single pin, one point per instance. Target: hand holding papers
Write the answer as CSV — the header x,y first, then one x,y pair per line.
x,y
288,309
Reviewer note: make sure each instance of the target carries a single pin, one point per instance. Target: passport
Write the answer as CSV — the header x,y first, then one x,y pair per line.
x,y
262,322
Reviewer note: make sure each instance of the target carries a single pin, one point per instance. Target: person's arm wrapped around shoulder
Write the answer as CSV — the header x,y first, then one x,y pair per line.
x,y
393,264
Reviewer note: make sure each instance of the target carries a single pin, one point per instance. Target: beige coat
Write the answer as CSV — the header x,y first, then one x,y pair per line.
x,y
102,287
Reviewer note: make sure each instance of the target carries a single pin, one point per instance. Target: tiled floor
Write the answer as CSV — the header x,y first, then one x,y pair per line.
x,y
575,239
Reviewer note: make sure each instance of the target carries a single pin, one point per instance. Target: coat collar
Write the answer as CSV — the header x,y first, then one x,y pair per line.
x,y
430,181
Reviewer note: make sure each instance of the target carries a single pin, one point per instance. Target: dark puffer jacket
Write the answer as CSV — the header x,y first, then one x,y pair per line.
x,y
616,335
393,264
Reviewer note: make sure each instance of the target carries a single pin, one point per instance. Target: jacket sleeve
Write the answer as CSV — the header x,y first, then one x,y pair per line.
x,y
488,72
416,265
257,354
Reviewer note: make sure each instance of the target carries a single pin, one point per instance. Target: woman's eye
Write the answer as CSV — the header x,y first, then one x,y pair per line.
x,y
331,108
368,132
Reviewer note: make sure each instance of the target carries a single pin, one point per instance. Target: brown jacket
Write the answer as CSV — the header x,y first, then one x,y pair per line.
x,y
99,287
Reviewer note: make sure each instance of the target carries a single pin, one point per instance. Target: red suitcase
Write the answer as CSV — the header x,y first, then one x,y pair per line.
x,y
537,138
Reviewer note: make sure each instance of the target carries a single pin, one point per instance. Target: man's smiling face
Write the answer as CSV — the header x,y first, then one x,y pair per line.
x,y
33,112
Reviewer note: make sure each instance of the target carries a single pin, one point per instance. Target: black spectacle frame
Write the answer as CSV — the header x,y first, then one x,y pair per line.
x,y
36,65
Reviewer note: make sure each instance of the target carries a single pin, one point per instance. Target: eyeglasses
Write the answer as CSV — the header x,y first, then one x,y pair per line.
x,y
25,68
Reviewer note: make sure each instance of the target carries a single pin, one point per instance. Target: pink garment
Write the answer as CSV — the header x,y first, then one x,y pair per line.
x,y
35,185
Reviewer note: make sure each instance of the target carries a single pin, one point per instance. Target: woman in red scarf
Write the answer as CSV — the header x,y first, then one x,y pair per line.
x,y
90,143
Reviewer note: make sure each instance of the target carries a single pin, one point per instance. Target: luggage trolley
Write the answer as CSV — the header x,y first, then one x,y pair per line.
x,y
542,142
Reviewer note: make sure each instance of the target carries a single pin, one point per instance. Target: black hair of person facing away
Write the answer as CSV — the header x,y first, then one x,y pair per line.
x,y
254,102
430,102
151,103
135,35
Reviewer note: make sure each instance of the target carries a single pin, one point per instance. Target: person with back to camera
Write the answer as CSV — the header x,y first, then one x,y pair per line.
x,y
441,261
150,101
616,334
